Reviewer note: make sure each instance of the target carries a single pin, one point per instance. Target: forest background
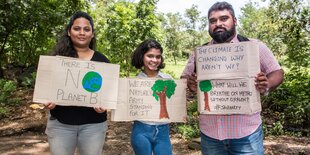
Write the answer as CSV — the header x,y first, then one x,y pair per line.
x,y
30,28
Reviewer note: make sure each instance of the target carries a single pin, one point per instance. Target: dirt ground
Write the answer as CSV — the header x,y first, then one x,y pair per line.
x,y
22,133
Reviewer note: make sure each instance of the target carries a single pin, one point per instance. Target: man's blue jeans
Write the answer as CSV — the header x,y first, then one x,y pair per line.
x,y
249,145
146,139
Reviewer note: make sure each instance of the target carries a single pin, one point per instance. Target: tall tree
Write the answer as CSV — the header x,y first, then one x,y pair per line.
x,y
173,26
28,28
127,25
196,25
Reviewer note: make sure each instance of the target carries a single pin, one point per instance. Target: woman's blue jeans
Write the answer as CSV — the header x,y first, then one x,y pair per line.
x,y
146,139
63,139
249,145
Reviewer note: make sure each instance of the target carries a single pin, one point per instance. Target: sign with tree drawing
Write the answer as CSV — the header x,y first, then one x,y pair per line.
x,y
226,74
75,82
205,86
149,99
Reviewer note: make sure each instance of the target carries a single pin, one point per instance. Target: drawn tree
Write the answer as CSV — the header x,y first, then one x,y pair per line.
x,y
161,90
205,86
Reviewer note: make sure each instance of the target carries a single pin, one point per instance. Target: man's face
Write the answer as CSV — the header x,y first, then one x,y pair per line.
x,y
222,26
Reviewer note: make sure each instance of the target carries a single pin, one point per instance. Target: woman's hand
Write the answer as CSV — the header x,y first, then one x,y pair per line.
x,y
49,105
100,109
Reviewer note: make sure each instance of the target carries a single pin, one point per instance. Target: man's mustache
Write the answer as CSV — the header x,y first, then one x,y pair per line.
x,y
218,27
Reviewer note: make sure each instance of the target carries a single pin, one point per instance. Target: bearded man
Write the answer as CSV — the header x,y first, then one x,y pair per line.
x,y
237,133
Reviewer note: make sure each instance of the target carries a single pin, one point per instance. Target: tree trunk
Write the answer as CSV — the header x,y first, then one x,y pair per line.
x,y
163,107
163,113
207,107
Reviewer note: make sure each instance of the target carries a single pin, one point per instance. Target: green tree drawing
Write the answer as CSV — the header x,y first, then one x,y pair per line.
x,y
205,86
161,90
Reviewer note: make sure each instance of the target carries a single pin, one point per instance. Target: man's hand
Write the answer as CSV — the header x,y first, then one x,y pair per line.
x,y
262,83
265,83
192,82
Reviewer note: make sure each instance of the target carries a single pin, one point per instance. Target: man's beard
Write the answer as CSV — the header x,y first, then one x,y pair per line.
x,y
222,37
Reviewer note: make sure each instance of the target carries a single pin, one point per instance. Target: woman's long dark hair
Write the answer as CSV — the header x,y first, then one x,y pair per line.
x,y
64,45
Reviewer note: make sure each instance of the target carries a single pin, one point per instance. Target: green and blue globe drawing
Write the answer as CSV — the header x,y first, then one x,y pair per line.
x,y
92,81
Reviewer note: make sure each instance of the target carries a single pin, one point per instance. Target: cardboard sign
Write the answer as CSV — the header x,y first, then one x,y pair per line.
x,y
225,74
229,96
226,61
149,99
75,82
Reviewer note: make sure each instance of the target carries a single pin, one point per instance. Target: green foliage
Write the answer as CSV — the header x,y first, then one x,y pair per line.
x,y
276,128
7,89
168,86
28,81
191,128
205,85
292,99
127,25
28,28
3,112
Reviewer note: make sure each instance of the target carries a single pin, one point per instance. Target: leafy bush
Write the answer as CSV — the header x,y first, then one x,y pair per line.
x,y
28,81
292,101
3,112
7,89
191,128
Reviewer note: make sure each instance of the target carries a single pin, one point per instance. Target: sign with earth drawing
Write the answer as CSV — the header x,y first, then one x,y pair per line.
x,y
75,82
226,74
149,99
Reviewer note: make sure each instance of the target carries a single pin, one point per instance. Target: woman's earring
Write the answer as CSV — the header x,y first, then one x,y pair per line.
x,y
142,68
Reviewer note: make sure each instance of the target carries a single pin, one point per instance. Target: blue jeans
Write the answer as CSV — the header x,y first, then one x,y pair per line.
x,y
146,139
63,139
249,145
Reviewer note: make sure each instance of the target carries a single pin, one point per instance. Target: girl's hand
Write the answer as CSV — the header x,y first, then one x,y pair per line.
x,y
49,105
100,109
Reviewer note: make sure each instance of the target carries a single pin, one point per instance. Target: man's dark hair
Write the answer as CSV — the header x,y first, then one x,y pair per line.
x,y
138,54
222,6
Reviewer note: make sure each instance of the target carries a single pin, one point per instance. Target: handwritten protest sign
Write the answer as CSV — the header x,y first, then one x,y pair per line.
x,y
225,74
160,100
229,96
226,61
75,82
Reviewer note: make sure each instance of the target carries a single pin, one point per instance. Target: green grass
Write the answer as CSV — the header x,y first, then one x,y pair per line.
x,y
175,70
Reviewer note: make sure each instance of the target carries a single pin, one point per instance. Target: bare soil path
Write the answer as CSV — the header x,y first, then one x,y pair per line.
x,y
23,134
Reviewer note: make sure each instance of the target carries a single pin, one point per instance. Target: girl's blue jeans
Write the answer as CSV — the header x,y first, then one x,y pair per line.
x,y
146,139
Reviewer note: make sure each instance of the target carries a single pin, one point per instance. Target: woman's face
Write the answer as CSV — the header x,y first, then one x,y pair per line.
x,y
81,33
152,59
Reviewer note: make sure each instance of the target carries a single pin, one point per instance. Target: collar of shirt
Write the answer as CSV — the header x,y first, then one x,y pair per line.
x,y
159,75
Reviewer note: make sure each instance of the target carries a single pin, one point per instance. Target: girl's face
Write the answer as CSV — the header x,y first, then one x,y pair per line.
x,y
81,33
152,59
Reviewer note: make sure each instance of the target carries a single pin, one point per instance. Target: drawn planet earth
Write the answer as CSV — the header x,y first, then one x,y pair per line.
x,y
92,81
